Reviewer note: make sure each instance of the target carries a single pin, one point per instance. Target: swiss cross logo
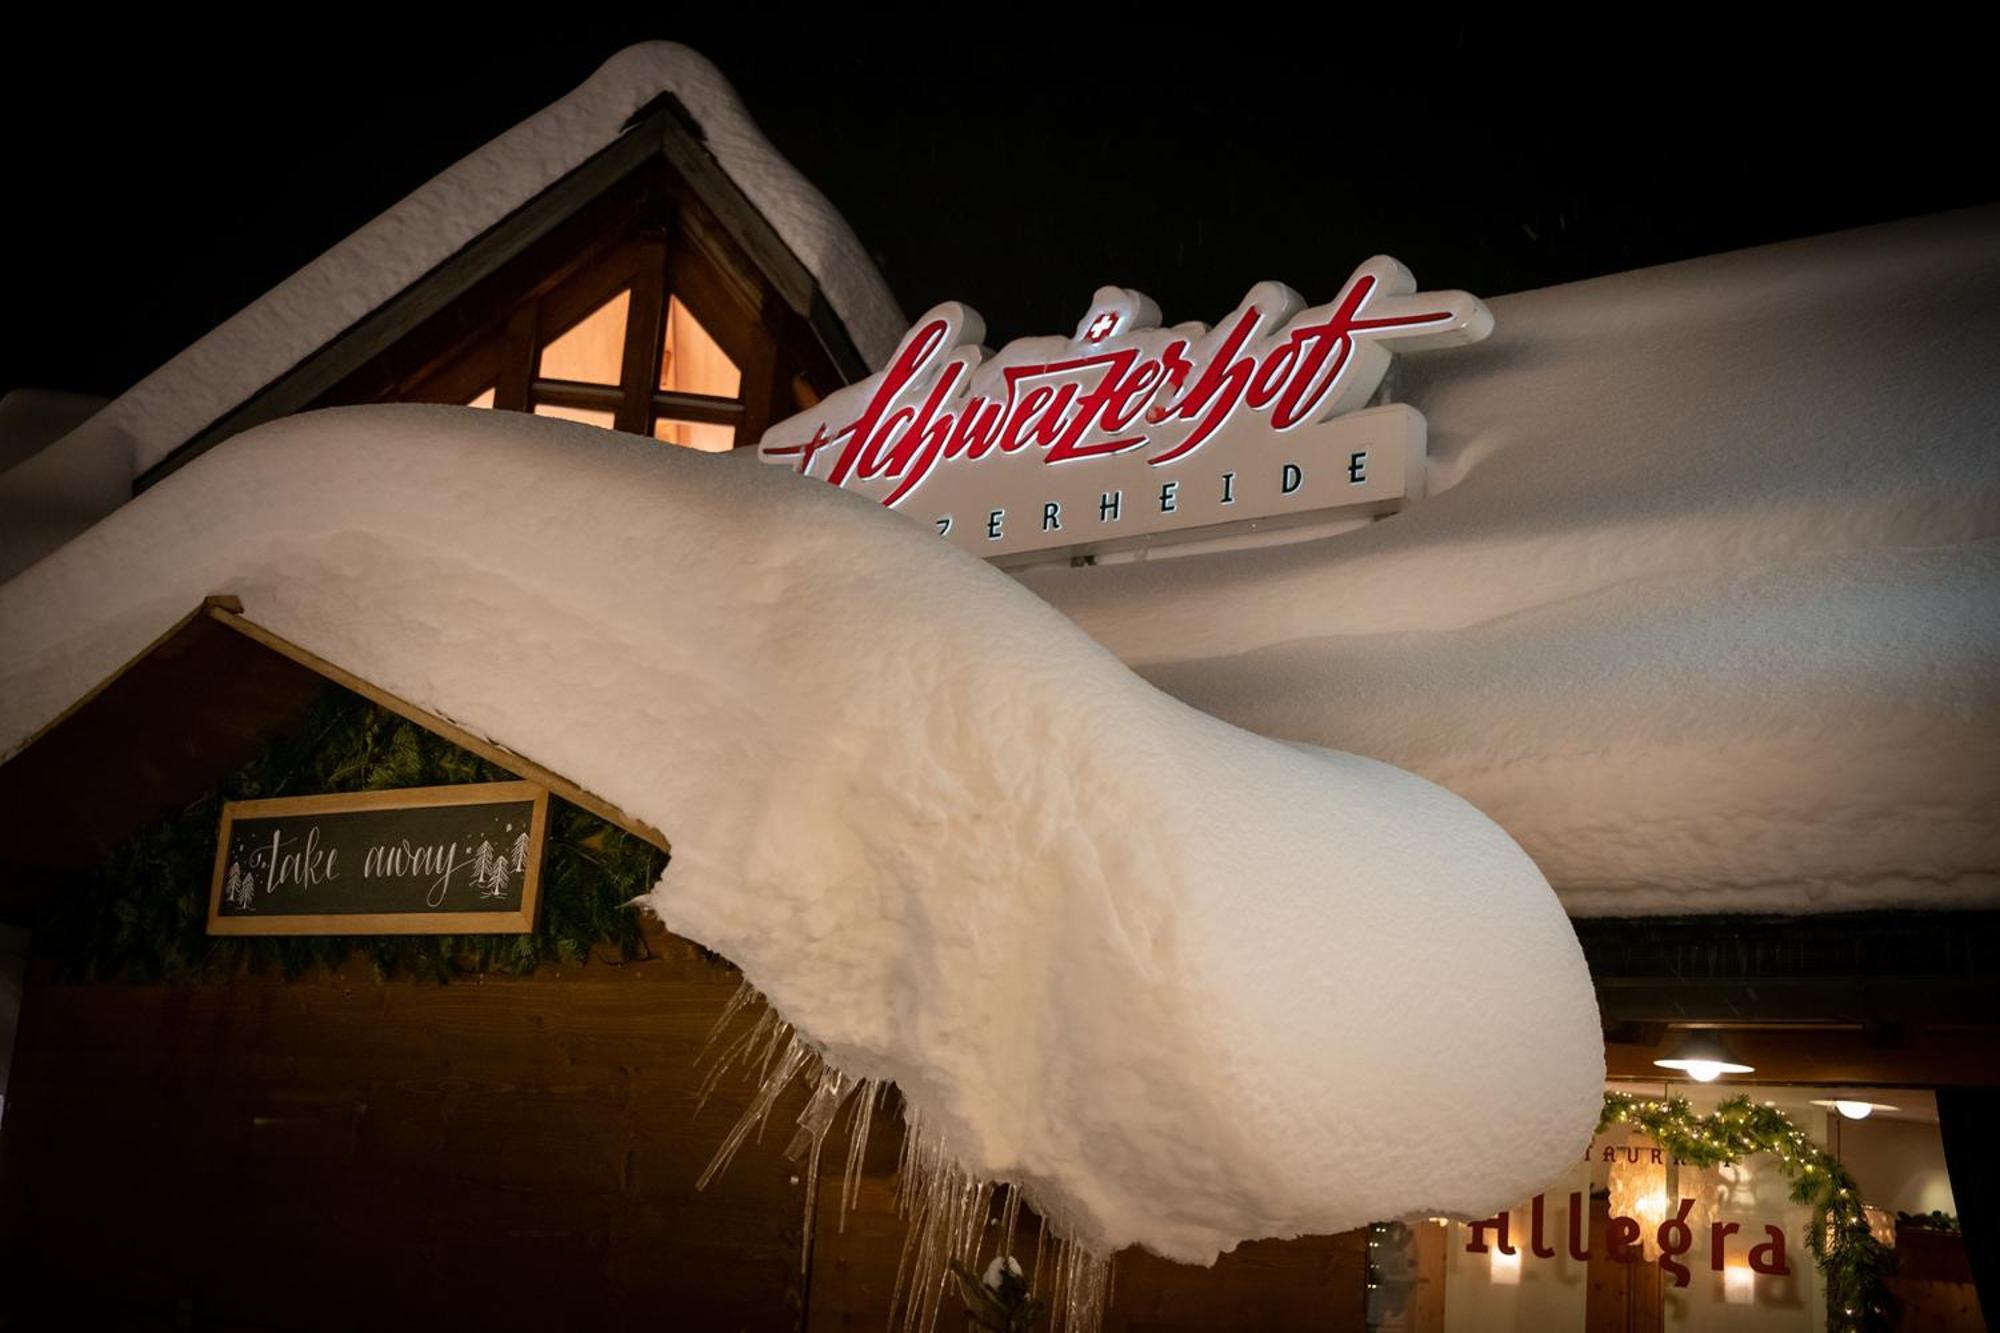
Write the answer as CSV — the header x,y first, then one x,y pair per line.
x,y
1101,327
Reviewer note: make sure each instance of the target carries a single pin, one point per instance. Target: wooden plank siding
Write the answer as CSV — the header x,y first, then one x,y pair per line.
x,y
335,1152
1316,1284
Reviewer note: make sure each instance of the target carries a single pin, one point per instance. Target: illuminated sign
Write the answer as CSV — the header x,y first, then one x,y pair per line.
x,y
1127,433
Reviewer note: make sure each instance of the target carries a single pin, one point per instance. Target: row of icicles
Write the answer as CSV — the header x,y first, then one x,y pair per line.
x,y
949,1210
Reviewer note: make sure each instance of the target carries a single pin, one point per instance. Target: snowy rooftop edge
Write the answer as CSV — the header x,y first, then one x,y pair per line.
x,y
266,339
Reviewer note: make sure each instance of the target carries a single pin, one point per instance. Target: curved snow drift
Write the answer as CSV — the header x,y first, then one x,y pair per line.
x,y
1701,606
1188,985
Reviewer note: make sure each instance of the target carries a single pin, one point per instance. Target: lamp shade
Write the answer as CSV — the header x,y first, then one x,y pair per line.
x,y
1854,1108
1701,1055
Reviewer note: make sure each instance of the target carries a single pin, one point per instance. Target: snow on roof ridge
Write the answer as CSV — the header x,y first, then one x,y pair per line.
x,y
274,333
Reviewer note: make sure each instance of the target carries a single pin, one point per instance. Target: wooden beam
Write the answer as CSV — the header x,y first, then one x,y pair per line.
x,y
151,737
645,336
518,351
1865,968
1835,1057
760,379
749,229
488,750
575,393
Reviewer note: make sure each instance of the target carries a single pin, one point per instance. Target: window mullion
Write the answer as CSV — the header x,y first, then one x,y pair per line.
x,y
760,380
645,330
517,361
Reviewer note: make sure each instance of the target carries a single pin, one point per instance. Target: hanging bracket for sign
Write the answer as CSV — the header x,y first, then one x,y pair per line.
x,y
1127,434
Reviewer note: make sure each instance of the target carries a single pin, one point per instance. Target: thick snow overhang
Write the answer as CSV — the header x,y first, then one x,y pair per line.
x,y
923,813
283,352
1703,605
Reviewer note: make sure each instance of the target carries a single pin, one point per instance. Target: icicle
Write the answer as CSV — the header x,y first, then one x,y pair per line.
x,y
774,1081
948,1209
745,994
736,1050
1010,1217
1085,1281
857,1147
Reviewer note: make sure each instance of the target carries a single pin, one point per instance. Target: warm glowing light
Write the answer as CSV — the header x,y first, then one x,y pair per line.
x,y
691,361
1881,1224
1853,1108
589,416
1637,1187
696,435
1739,1285
1506,1268
592,350
1702,1057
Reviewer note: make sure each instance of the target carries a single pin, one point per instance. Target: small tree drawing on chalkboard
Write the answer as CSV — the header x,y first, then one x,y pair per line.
x,y
482,862
519,854
237,887
497,878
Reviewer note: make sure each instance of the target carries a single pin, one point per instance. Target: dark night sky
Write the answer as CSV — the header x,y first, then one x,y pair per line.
x,y
161,182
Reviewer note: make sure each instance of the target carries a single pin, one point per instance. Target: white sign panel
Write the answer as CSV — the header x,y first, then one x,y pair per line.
x,y
1125,432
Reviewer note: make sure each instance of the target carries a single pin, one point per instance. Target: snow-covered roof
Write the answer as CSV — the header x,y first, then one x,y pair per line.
x,y
90,470
1162,972
1700,607
1704,605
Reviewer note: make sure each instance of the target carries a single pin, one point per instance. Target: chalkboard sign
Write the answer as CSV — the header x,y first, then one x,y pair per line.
x,y
420,861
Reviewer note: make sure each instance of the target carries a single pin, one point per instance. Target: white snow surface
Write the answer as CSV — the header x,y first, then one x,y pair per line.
x,y
1704,605
1187,984
307,310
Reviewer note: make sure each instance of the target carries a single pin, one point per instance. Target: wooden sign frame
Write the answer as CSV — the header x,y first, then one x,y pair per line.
x,y
519,920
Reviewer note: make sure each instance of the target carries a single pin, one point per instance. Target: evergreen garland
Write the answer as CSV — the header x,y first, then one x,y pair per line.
x,y
1854,1266
142,914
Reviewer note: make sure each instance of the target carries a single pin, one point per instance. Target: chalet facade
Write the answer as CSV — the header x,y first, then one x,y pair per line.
x,y
266,1151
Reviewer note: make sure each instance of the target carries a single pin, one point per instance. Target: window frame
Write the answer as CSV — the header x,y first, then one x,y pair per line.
x,y
653,236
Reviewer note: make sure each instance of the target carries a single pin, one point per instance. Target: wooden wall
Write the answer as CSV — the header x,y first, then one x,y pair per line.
x,y
336,1153
521,1153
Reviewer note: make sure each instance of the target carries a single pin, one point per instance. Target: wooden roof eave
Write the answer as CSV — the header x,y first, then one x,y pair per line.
x,y
168,725
662,128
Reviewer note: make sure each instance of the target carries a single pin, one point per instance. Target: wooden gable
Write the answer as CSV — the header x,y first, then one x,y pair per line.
x,y
652,215
167,727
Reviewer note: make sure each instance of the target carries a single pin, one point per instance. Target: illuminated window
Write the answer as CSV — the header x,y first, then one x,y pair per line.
x,y
694,366
591,351
691,361
589,416
696,435
640,338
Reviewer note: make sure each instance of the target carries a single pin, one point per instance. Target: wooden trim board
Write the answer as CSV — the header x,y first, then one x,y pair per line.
x,y
457,735
84,699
